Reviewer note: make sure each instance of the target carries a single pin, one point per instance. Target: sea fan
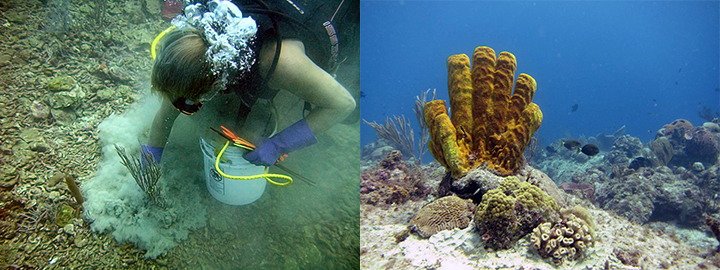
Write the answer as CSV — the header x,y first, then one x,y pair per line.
x,y
146,173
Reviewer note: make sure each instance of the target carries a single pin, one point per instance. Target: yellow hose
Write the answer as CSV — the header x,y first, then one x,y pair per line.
x,y
265,175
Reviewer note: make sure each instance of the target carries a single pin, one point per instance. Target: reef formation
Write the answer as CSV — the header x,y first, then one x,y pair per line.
x,y
688,144
392,181
489,123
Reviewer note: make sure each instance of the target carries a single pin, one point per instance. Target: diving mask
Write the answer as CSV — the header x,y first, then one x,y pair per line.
x,y
189,106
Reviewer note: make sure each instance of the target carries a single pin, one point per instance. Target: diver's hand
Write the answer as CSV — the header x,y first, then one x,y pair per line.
x,y
292,138
155,151
266,154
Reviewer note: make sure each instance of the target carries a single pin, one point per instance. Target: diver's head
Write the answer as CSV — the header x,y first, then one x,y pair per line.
x,y
182,71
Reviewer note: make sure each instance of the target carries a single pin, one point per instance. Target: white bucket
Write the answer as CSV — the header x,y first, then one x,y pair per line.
x,y
231,191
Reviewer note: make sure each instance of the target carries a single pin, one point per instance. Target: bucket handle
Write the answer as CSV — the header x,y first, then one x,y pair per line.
x,y
265,175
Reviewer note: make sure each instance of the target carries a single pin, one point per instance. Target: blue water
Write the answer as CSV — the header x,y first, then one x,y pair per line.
x,y
639,64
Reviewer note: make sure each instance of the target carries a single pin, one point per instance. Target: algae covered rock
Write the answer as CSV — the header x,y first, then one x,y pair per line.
x,y
64,215
61,83
106,93
35,140
63,116
511,211
39,110
68,99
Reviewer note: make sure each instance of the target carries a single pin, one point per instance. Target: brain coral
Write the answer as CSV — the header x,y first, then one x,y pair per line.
x,y
512,210
445,213
562,241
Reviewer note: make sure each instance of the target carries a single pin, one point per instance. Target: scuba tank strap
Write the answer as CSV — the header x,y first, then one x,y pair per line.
x,y
334,61
334,47
278,49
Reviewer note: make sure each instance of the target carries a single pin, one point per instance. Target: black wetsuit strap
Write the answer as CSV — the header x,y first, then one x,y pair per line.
x,y
278,48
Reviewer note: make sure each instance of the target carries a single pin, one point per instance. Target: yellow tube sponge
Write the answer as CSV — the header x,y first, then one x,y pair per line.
x,y
489,123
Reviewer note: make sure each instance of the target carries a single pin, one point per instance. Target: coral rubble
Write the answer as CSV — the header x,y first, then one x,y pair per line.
x,y
489,123
442,214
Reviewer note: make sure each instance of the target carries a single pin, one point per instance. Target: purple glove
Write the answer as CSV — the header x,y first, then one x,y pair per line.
x,y
155,151
292,138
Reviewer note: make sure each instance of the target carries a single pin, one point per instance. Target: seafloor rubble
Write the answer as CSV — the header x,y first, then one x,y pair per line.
x,y
64,67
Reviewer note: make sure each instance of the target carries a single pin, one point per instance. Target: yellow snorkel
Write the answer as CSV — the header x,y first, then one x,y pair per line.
x,y
157,39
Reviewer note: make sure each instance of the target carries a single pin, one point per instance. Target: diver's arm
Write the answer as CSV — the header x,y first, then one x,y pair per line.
x,y
162,124
298,74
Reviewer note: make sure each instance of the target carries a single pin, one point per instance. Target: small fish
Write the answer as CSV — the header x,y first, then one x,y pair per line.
x,y
717,89
572,144
676,82
590,150
679,70
574,107
362,94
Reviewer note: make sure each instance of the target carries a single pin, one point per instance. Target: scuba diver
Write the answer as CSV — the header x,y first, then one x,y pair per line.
x,y
224,62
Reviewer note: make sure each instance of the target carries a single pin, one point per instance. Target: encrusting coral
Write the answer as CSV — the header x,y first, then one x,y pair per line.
x,y
511,211
445,213
489,123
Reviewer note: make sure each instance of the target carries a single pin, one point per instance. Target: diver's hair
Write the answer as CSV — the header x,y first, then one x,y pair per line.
x,y
181,68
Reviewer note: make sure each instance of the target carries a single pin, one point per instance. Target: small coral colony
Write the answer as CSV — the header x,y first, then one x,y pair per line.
x,y
481,146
